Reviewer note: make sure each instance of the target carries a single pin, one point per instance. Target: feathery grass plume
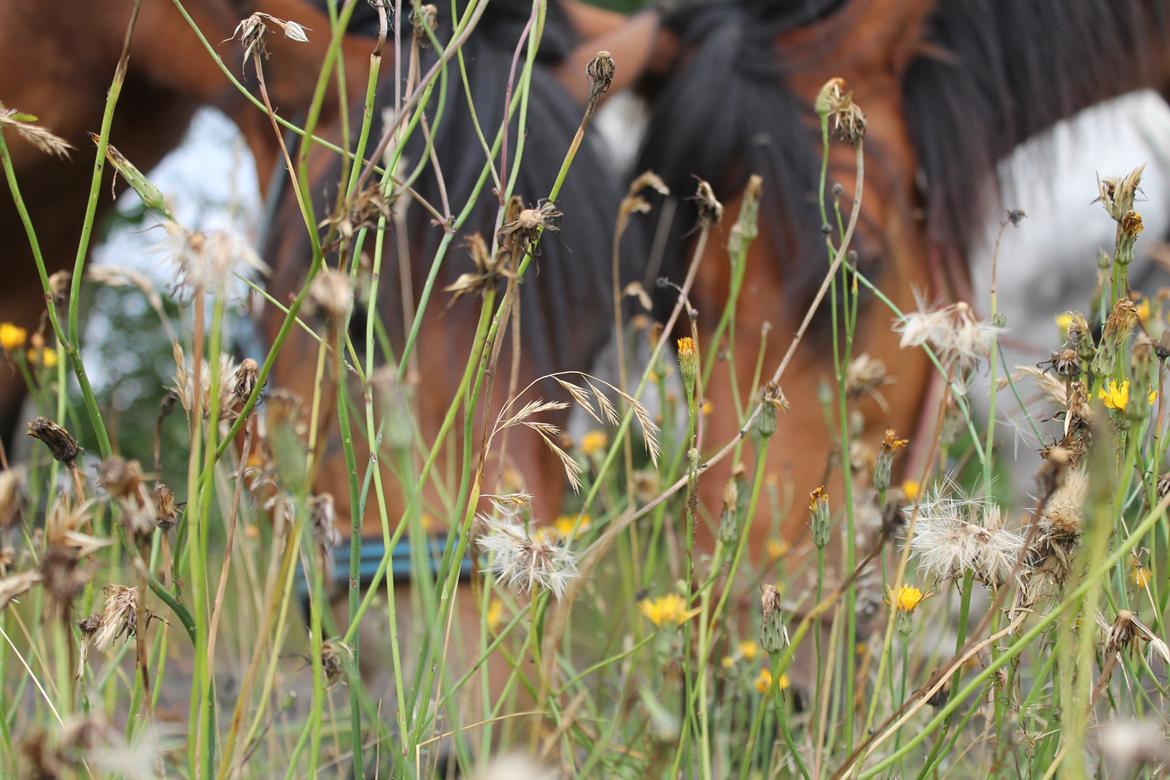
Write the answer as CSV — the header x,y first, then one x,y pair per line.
x,y
14,586
953,331
207,261
959,534
42,139
523,561
1118,193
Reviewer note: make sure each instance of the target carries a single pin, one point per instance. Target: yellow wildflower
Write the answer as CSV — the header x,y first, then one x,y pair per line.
x,y
565,523
1143,309
777,549
1063,321
592,442
669,610
46,357
1142,577
495,615
1114,395
906,598
708,407
764,681
748,649
911,488
12,336
727,662
427,522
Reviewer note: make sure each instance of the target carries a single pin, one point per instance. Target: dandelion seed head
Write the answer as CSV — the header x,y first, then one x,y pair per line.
x,y
522,561
953,331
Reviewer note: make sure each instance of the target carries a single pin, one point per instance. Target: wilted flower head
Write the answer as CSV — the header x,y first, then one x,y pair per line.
x,y
332,293
835,104
1065,508
521,232
207,261
16,585
11,495
1117,194
60,442
865,376
959,534
235,384
119,616
953,331
253,30
335,657
521,560
124,482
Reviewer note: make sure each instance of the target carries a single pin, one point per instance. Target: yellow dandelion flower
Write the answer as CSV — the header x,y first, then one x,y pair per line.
x,y
748,649
708,407
565,523
906,598
593,442
12,336
764,681
45,357
427,522
1063,321
727,662
495,615
777,549
668,610
911,488
1115,395
1142,577
1143,310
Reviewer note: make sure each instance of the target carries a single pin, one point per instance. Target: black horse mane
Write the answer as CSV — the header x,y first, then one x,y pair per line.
x,y
725,115
564,294
995,72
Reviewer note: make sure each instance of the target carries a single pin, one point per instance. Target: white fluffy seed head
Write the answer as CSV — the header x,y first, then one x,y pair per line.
x,y
953,331
524,562
955,535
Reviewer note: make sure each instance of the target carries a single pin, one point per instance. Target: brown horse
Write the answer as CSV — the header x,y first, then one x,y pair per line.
x,y
948,88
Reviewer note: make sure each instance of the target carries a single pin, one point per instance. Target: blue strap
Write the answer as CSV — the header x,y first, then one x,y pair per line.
x,y
401,568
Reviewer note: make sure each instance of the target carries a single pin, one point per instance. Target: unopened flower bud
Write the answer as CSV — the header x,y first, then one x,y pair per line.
x,y
818,507
60,443
772,402
885,460
772,633
688,363
729,519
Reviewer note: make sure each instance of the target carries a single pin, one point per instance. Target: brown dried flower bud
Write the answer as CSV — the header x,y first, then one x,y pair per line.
x,y
600,71
60,443
710,209
332,293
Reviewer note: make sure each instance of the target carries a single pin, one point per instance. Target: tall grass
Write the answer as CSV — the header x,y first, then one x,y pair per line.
x,y
920,628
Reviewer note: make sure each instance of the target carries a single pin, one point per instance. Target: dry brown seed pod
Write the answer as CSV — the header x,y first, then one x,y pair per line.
x,y
59,441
